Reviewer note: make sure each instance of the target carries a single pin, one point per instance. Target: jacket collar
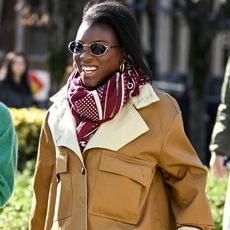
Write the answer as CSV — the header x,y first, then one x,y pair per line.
x,y
126,126
62,124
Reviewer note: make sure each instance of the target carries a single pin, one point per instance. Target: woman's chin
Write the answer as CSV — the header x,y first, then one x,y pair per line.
x,y
88,82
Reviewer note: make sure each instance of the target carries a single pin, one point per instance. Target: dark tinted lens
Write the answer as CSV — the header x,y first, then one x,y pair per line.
x,y
97,48
76,47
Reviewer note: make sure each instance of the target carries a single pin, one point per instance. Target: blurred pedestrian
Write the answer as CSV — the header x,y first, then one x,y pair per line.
x,y
3,69
8,154
14,88
220,146
113,153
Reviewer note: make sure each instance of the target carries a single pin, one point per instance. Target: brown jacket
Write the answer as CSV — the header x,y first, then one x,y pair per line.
x,y
138,171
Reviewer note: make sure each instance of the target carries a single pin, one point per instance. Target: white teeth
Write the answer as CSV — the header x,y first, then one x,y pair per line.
x,y
89,68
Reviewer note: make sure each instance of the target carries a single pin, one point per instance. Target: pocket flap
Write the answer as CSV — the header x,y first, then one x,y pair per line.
x,y
135,169
61,163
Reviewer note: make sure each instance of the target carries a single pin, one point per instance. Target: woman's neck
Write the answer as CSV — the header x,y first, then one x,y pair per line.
x,y
17,79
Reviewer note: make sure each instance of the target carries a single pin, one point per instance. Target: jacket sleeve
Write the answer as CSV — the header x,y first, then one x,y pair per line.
x,y
185,176
221,132
8,156
188,228
42,179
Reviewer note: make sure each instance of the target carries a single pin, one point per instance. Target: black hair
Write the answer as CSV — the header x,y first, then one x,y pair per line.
x,y
24,83
124,24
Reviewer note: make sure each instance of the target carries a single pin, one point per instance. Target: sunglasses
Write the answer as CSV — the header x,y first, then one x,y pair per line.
x,y
95,48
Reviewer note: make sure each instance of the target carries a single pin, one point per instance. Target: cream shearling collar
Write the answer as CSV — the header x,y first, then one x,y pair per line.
x,y
114,134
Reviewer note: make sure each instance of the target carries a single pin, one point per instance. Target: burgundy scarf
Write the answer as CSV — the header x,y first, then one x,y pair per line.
x,y
90,108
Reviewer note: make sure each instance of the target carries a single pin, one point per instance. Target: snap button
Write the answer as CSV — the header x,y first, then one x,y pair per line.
x,y
83,171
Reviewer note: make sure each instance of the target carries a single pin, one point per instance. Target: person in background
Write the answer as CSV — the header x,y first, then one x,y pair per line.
x,y
3,69
8,154
219,146
113,153
14,88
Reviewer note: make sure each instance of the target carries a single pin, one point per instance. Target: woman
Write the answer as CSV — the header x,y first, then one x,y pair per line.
x,y
113,153
8,57
8,154
14,89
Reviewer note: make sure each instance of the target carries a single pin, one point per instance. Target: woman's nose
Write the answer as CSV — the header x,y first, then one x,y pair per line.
x,y
86,54
83,57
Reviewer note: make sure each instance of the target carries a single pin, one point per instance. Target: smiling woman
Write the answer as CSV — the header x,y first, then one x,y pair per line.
x,y
113,153
97,54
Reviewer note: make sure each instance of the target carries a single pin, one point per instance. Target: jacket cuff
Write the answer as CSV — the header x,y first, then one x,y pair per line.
x,y
217,152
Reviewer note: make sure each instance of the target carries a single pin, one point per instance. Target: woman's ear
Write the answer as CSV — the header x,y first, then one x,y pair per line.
x,y
123,56
123,61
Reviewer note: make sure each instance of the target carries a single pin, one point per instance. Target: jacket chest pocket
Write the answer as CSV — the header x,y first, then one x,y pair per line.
x,y
63,203
121,188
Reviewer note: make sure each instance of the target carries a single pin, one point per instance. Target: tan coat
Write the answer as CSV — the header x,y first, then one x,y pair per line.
x,y
138,171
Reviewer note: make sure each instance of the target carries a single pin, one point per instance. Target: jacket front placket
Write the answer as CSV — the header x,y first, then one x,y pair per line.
x,y
63,129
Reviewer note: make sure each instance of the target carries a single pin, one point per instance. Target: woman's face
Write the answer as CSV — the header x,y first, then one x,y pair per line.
x,y
94,70
18,66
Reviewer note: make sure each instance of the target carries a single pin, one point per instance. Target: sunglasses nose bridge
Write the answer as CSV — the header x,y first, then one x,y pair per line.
x,y
86,47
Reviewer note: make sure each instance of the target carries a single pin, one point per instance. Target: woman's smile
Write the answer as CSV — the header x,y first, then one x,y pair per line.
x,y
89,69
94,69
89,74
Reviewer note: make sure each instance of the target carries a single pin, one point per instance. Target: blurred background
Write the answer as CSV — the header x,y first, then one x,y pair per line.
x,y
186,43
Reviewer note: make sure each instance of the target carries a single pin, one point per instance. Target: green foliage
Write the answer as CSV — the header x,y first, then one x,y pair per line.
x,y
216,191
15,214
28,125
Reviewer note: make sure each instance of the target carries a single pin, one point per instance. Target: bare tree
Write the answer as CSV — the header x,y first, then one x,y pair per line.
x,y
8,24
65,17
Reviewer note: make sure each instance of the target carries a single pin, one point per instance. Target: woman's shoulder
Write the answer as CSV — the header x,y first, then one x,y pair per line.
x,y
5,116
167,102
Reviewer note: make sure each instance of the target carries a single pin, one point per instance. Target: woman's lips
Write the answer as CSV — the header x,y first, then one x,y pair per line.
x,y
89,69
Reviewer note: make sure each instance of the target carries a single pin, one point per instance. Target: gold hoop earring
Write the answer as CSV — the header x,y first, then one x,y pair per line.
x,y
75,66
122,66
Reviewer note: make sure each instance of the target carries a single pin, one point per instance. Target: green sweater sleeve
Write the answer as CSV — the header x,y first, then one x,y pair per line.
x,y
221,132
8,154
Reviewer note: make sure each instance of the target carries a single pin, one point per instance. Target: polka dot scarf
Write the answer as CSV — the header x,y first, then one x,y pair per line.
x,y
90,108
